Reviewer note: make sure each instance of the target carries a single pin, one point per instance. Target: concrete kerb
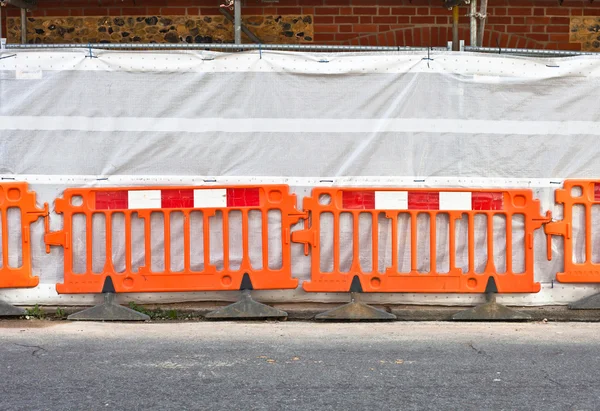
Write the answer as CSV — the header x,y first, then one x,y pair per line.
x,y
308,311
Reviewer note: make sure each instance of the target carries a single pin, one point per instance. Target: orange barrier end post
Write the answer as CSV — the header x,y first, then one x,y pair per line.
x,y
17,204
579,198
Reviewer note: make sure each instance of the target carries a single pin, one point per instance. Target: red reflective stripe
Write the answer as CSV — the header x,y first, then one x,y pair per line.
x,y
596,191
419,200
177,198
358,200
243,197
112,200
487,201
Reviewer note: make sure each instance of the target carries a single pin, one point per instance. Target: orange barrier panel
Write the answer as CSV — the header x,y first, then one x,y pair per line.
x,y
99,209
585,195
14,196
404,209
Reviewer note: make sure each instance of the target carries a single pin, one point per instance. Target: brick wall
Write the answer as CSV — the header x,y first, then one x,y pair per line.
x,y
574,25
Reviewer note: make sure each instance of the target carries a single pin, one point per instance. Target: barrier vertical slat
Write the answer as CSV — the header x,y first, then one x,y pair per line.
x,y
374,241
490,266
471,242
245,240
186,241
509,265
147,241
206,239
452,243
588,233
336,245
128,244
167,240
356,267
109,259
265,237
5,238
432,244
413,243
394,223
88,239
225,225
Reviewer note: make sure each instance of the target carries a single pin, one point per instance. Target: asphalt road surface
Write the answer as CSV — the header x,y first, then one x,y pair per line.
x,y
299,366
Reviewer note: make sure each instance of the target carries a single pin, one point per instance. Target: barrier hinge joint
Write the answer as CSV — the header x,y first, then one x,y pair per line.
x,y
560,228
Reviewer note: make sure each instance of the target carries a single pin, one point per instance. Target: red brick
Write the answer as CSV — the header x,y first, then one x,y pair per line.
x,y
404,11
346,11
538,36
422,20
364,10
384,19
538,29
537,20
289,10
384,11
323,19
321,28
324,37
364,28
327,11
557,29
172,11
344,36
557,11
517,29
518,11
560,20
571,46
346,19
178,3
134,11
366,19
499,20
345,28
93,11
399,36
408,38
538,11
562,38
417,37
435,35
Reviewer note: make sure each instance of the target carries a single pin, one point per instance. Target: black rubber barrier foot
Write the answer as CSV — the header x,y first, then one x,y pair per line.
x,y
108,311
355,310
8,310
491,311
589,303
246,309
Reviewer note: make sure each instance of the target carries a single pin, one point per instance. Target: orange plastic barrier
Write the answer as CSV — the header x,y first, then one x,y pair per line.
x,y
586,195
135,203
409,205
14,196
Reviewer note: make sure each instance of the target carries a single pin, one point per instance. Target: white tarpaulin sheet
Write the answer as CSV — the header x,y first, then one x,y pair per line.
x,y
368,119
